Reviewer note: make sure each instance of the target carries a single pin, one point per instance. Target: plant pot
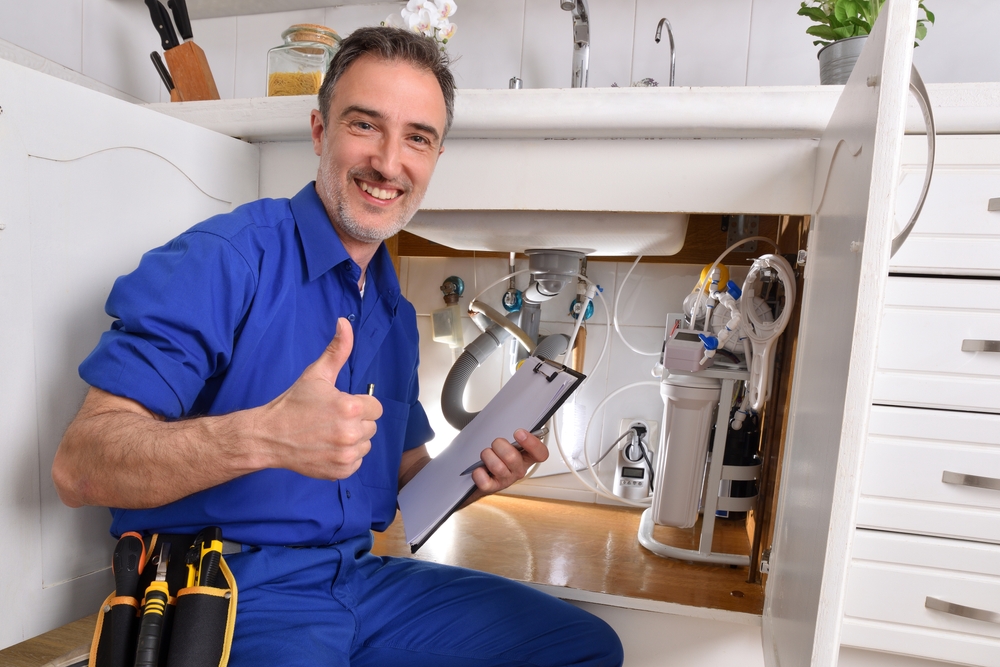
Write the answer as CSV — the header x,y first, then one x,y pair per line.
x,y
836,61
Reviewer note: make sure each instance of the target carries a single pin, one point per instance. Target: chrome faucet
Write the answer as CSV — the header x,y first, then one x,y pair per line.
x,y
581,40
670,35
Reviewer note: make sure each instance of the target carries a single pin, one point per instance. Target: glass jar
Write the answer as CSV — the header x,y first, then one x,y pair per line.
x,y
297,67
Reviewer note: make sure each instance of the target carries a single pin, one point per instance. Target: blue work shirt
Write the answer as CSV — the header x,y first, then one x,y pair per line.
x,y
226,317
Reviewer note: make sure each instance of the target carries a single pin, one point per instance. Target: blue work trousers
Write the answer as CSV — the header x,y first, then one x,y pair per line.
x,y
340,605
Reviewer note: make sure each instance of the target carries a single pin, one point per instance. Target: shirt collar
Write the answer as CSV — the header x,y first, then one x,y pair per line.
x,y
324,250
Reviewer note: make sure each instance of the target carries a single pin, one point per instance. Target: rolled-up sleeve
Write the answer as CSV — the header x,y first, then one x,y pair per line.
x,y
176,317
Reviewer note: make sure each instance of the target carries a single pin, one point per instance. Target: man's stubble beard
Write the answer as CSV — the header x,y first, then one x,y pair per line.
x,y
342,218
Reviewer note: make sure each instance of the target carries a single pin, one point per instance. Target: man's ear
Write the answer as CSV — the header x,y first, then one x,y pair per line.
x,y
317,129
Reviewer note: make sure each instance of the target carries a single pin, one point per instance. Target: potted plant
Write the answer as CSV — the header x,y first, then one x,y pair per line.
x,y
842,27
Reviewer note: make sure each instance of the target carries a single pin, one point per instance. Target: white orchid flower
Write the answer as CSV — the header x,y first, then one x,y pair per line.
x,y
445,30
446,7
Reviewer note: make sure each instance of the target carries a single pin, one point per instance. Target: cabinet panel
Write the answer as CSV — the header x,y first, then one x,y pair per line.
x,y
907,455
890,579
956,233
921,361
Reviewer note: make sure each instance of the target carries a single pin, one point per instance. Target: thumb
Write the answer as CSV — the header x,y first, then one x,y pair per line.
x,y
337,352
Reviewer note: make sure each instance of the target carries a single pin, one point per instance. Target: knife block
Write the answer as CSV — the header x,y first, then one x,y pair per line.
x,y
192,76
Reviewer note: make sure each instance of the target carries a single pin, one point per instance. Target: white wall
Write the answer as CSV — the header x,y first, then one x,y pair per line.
x,y
719,42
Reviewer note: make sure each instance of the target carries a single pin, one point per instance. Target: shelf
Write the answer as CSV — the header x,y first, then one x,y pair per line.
x,y
789,112
208,9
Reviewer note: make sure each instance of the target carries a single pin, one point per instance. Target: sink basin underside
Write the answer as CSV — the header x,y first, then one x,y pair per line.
x,y
610,232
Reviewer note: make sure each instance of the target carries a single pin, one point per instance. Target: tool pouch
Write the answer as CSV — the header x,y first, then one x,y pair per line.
x,y
198,621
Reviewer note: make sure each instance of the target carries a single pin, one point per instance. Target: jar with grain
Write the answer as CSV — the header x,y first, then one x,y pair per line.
x,y
297,66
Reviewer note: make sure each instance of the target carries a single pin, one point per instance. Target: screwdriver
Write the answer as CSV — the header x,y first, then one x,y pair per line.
x,y
147,652
211,554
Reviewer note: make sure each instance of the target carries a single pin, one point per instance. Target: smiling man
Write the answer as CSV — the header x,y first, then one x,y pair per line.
x,y
231,391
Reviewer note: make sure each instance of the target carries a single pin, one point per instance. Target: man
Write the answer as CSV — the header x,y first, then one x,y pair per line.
x,y
218,398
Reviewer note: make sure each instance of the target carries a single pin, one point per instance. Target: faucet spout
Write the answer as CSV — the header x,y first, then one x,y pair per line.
x,y
670,35
581,40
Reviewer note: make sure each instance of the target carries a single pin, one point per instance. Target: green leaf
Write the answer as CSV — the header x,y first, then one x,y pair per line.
x,y
814,13
845,32
823,32
921,31
930,16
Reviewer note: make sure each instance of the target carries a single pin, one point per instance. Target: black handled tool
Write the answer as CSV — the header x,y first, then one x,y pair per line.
x,y
162,70
147,651
127,562
181,18
211,553
161,21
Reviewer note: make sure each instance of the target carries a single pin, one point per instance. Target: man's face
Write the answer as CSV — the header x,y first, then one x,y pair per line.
x,y
378,147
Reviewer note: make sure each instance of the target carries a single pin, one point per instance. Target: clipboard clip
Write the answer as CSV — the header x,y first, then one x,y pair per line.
x,y
543,361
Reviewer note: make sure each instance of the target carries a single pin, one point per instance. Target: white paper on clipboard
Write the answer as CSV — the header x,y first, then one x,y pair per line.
x,y
527,401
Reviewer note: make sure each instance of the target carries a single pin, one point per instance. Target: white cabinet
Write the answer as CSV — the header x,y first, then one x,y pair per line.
x,y
846,175
932,463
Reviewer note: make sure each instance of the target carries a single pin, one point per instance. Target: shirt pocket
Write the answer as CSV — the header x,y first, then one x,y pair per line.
x,y
380,467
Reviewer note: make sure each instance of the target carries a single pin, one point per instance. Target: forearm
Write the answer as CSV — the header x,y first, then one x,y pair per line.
x,y
117,454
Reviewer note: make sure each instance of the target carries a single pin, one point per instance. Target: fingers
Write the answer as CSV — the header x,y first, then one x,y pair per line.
x,y
505,464
336,353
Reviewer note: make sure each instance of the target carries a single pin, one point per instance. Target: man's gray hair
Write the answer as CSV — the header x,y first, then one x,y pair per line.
x,y
393,45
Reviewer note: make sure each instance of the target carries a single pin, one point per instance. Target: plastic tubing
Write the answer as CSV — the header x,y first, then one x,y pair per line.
x,y
599,488
617,328
763,334
708,274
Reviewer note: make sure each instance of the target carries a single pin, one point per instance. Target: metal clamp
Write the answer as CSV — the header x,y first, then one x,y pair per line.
x,y
961,479
980,345
478,307
961,610
924,101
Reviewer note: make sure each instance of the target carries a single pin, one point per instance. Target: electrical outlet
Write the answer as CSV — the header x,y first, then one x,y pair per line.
x,y
652,437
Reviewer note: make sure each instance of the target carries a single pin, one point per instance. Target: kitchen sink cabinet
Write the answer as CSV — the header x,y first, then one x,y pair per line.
x,y
87,191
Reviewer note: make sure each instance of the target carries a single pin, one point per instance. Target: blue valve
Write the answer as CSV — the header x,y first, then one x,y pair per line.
x,y
734,290
710,342
587,315
513,300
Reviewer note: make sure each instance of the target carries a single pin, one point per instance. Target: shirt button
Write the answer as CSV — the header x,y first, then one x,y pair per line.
x,y
351,317
348,493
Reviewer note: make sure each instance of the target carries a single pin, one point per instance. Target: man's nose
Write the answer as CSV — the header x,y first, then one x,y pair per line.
x,y
387,159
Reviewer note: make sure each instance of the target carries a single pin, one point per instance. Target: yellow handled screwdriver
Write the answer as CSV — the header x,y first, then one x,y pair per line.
x,y
211,553
147,652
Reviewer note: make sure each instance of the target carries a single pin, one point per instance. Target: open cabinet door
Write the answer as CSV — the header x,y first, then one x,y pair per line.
x,y
848,256
87,184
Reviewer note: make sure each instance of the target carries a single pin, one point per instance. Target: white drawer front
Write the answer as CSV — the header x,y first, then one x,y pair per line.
x,y
956,233
920,357
891,576
906,458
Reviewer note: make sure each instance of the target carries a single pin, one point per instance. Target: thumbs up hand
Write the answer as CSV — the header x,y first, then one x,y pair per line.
x,y
314,428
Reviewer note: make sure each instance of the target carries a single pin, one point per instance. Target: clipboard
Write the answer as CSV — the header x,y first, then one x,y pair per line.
x,y
528,400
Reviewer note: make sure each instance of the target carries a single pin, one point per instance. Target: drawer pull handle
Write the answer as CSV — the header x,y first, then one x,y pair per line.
x,y
980,345
962,610
994,204
962,479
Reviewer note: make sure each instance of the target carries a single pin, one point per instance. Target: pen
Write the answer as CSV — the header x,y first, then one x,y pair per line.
x,y
371,390
540,433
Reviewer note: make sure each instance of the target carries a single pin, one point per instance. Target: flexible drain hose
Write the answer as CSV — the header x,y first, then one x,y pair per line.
x,y
478,351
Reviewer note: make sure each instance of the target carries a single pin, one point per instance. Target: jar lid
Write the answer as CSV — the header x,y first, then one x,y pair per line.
x,y
310,32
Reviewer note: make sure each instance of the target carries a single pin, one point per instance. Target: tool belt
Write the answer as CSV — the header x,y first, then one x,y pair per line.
x,y
178,614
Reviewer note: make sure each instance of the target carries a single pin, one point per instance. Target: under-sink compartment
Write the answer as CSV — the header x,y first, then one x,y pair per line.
x,y
551,531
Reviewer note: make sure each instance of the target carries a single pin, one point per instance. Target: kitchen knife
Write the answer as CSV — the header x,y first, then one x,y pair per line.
x,y
162,70
161,21
181,18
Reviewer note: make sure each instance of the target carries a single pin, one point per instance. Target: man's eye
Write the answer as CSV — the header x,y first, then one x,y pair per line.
x,y
420,140
362,125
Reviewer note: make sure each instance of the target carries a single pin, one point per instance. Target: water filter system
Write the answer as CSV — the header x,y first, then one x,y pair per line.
x,y
713,374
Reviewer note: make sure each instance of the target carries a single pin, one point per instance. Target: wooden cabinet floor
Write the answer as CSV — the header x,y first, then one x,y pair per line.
x,y
586,547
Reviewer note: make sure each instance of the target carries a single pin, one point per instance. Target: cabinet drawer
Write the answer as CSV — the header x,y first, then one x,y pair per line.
x,y
890,579
926,324
956,233
908,454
